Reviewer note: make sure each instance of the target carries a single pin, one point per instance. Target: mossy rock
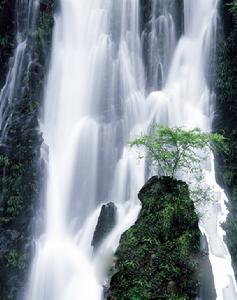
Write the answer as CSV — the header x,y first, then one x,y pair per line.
x,y
158,258
20,169
225,119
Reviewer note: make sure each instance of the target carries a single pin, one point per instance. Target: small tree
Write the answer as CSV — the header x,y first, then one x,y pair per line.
x,y
173,149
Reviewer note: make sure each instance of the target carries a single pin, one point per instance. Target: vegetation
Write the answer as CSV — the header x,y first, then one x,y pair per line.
x,y
226,117
13,259
7,28
158,258
20,166
233,9
177,149
165,260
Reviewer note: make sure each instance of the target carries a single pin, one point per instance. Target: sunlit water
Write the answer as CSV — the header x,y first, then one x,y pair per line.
x,y
95,102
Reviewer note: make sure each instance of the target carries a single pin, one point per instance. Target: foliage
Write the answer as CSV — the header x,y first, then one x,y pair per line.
x,y
226,119
20,167
4,161
14,259
174,149
233,8
158,257
7,27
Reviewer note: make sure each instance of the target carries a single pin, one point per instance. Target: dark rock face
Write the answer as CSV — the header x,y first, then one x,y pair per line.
x,y
106,223
207,290
226,17
226,118
7,30
158,258
21,178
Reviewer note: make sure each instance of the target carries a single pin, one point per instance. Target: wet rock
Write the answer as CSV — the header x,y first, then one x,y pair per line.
x,y
154,260
105,224
207,290
171,286
6,239
106,290
7,30
3,149
20,169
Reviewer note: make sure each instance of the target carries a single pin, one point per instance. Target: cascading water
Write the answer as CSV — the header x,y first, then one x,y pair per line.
x,y
161,42
94,104
26,13
186,101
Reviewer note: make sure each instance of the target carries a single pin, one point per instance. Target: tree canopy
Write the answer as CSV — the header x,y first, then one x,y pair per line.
x,y
173,149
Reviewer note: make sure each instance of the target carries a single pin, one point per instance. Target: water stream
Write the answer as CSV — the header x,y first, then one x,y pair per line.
x,y
26,13
97,99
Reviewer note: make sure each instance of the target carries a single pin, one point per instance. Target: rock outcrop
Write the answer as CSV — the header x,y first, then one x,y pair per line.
x,y
159,257
225,118
105,225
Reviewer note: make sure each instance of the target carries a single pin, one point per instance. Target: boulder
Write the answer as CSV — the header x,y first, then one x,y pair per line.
x,y
105,224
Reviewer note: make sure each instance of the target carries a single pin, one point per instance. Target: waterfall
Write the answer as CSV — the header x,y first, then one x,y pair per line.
x,y
99,96
26,13
94,104
185,100
162,37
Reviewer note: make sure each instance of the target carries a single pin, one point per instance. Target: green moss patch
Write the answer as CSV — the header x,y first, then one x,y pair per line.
x,y
158,256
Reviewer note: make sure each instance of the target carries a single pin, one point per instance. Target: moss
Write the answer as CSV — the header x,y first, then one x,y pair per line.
x,y
158,257
20,167
226,117
13,259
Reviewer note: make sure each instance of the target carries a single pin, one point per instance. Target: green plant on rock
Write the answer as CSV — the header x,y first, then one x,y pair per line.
x,y
175,149
226,118
158,257
15,205
233,8
4,161
16,260
12,258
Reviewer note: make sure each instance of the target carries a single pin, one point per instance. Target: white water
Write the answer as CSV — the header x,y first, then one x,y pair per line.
x,y
186,101
94,104
26,13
